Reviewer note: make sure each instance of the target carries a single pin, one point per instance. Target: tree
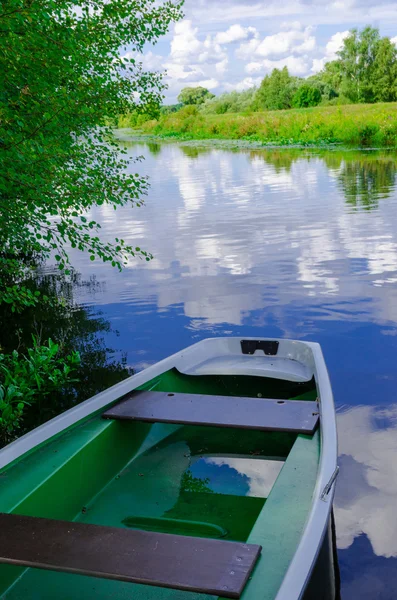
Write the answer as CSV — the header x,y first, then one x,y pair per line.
x,y
357,59
232,102
306,95
385,72
328,81
194,95
63,83
276,90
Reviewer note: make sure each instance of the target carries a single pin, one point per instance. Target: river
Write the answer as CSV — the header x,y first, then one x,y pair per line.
x,y
285,243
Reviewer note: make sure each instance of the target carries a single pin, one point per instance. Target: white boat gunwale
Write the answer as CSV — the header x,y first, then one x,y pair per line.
x,y
307,353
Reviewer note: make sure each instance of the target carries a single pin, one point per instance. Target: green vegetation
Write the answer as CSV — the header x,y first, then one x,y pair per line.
x,y
29,378
233,102
276,91
63,84
364,61
194,95
367,125
306,96
85,363
364,73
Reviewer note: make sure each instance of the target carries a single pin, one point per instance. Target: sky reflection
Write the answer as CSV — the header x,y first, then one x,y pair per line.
x,y
287,244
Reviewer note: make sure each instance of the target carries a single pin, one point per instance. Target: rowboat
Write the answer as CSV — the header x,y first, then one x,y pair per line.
x,y
210,474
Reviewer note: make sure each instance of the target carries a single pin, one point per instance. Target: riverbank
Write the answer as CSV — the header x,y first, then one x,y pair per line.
x,y
358,125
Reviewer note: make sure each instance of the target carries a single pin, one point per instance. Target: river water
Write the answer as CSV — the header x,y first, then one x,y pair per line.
x,y
280,243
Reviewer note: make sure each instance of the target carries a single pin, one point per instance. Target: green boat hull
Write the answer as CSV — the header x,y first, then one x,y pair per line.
x,y
233,484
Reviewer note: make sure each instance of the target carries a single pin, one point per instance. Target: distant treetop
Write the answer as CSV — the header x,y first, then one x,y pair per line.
x,y
194,95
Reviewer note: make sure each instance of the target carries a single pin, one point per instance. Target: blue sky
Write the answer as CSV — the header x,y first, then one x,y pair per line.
x,y
232,44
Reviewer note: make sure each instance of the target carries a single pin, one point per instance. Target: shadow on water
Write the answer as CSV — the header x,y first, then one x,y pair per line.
x,y
74,327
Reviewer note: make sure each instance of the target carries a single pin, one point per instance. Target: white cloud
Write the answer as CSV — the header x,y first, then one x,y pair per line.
x,y
182,72
334,44
394,40
316,12
254,67
296,65
318,64
259,474
294,41
235,33
239,43
186,48
247,49
221,66
210,84
244,84
185,43
193,61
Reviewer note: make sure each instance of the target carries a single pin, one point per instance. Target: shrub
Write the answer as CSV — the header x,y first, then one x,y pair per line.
x,y
25,379
187,111
306,96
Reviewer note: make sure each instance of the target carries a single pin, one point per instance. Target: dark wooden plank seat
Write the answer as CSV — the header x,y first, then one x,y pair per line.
x,y
300,416
187,563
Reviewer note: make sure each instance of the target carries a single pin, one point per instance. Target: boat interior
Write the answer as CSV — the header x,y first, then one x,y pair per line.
x,y
200,478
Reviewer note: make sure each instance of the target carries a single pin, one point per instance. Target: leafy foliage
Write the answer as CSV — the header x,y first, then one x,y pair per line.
x,y
305,96
167,109
76,328
189,483
230,102
27,378
276,90
194,95
357,58
63,83
384,85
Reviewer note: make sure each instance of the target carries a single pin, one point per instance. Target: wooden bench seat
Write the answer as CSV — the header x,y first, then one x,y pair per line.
x,y
202,565
300,416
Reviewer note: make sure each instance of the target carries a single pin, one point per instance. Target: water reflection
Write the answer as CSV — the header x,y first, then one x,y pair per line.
x,y
240,476
154,148
236,232
364,178
365,501
75,328
366,493
283,243
364,183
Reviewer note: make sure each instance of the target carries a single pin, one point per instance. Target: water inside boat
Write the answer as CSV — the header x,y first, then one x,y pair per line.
x,y
191,480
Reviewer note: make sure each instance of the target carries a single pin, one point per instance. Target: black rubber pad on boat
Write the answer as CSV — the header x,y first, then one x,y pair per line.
x,y
174,561
299,416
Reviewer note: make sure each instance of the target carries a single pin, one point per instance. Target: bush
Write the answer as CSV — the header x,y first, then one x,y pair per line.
x,y
306,96
231,102
187,111
25,379
167,109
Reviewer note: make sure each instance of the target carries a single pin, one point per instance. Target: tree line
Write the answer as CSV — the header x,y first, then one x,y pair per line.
x,y
364,71
63,83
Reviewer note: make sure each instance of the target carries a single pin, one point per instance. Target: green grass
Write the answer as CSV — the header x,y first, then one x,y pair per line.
x,y
358,125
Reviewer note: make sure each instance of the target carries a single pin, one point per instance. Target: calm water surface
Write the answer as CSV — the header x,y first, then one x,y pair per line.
x,y
283,243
